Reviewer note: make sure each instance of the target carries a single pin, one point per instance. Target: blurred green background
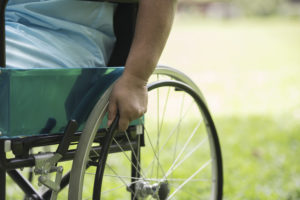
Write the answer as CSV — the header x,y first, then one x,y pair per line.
x,y
245,57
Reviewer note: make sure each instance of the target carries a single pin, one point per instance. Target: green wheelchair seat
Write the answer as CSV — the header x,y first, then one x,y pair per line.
x,y
42,101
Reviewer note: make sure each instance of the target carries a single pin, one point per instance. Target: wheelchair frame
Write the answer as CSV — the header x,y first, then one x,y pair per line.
x,y
22,160
21,146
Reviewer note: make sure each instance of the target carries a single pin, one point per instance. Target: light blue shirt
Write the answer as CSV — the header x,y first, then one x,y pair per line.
x,y
58,33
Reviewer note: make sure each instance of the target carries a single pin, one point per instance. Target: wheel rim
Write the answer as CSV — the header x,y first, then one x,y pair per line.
x,y
181,158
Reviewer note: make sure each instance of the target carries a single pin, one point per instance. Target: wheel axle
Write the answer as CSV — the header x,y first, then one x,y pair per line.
x,y
143,189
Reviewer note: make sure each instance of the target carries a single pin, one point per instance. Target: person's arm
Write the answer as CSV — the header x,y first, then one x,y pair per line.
x,y
129,95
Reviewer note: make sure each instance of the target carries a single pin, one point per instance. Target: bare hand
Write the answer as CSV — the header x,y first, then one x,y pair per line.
x,y
129,97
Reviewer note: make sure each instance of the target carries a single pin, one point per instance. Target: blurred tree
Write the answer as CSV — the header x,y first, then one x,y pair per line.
x,y
248,8
259,7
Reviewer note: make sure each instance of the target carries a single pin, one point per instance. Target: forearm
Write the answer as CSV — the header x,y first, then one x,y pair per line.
x,y
153,25
129,96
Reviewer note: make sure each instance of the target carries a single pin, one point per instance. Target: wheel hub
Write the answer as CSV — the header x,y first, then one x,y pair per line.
x,y
143,189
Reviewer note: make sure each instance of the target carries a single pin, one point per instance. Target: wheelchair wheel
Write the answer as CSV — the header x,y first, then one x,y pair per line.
x,y
177,157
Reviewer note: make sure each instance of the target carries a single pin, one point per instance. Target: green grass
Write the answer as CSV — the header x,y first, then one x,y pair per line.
x,y
249,72
260,157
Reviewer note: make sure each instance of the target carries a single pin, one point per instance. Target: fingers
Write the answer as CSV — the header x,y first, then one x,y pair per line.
x,y
130,103
112,111
123,123
126,116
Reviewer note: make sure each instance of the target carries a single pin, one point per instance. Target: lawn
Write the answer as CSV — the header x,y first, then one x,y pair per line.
x,y
248,70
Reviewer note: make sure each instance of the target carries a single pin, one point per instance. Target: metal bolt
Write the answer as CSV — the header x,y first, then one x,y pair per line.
x,y
42,179
60,169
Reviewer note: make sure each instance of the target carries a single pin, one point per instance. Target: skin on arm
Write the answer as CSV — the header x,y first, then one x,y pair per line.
x,y
129,95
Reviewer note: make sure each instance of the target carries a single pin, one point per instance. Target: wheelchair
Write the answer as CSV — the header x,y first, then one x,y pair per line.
x,y
172,152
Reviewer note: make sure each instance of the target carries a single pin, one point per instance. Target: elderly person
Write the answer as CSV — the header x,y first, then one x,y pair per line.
x,y
78,33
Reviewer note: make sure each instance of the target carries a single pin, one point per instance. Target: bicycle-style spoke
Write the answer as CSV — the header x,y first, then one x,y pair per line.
x,y
95,152
116,174
185,145
113,189
160,122
186,157
121,178
176,127
127,157
170,180
124,153
158,132
178,130
188,179
192,195
133,152
169,135
155,156
116,188
164,110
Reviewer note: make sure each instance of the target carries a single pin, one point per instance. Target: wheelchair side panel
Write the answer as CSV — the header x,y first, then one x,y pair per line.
x,y
42,101
4,103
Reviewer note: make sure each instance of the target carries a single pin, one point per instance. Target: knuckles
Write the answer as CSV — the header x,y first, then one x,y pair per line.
x,y
130,107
